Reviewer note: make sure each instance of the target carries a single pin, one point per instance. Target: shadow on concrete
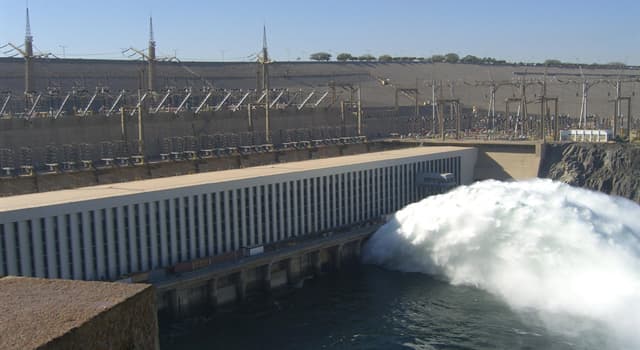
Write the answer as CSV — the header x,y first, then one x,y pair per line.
x,y
487,168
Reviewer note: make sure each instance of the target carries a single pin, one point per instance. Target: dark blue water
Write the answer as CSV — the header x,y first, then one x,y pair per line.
x,y
371,308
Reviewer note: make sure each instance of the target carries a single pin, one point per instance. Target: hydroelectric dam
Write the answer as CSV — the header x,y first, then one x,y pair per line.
x,y
216,237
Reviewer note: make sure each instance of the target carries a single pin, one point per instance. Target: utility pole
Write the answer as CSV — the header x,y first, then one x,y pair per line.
x,y
412,94
123,128
359,112
493,86
249,117
584,104
522,113
543,109
492,105
342,120
441,118
438,104
544,113
140,102
544,116
617,111
523,106
433,107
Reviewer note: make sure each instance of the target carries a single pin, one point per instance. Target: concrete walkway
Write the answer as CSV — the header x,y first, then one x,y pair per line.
x,y
187,279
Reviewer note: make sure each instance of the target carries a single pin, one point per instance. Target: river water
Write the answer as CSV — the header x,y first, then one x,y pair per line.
x,y
522,265
372,308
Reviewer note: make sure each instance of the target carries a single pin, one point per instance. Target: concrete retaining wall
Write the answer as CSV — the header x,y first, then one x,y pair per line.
x,y
130,325
507,162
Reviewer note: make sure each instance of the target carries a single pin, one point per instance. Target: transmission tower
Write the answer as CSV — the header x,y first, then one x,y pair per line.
x,y
26,51
263,81
617,107
493,86
149,56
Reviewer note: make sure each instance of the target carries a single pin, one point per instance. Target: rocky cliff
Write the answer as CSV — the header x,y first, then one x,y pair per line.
x,y
609,168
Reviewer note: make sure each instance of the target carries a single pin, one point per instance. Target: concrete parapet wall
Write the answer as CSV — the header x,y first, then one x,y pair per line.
x,y
43,182
61,181
19,185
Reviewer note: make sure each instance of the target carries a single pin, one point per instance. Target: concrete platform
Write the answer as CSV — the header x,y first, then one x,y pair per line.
x,y
64,314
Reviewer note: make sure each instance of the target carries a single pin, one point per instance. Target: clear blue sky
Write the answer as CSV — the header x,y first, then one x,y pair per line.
x,y
517,30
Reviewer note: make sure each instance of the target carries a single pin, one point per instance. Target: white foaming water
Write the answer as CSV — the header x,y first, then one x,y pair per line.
x,y
538,244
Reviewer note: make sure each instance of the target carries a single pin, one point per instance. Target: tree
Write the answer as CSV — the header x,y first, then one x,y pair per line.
x,y
367,57
385,58
470,59
451,58
320,56
488,60
616,64
552,62
437,58
344,57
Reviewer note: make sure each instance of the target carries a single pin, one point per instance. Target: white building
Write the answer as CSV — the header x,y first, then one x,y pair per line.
x,y
107,231
585,135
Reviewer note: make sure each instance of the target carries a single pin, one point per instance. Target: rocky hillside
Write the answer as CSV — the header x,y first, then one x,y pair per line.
x,y
609,168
